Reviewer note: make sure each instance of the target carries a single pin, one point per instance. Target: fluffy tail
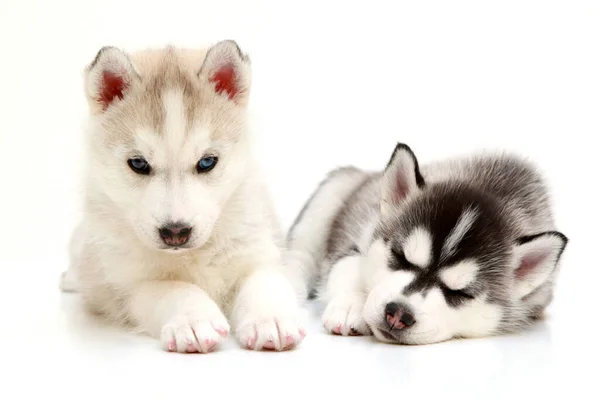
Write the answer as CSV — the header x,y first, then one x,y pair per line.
x,y
301,269
308,236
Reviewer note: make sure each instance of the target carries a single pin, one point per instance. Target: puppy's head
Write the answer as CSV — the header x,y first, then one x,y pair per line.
x,y
167,139
444,262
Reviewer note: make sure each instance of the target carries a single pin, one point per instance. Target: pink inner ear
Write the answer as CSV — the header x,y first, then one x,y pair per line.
x,y
225,80
529,263
400,189
113,85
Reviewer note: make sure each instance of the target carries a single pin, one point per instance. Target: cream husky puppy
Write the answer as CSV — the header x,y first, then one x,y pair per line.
x,y
178,236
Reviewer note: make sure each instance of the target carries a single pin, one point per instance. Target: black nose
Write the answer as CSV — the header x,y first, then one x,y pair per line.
x,y
175,234
398,316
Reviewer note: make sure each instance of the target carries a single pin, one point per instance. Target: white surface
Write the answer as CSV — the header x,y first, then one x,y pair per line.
x,y
333,84
52,348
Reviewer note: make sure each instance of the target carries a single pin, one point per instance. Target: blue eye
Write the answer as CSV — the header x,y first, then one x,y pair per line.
x,y
206,164
139,165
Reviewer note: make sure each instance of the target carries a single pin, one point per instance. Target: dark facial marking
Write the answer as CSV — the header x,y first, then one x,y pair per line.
x,y
426,280
438,210
400,263
455,298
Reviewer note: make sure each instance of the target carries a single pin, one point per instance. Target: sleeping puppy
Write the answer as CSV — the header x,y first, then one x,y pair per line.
x,y
460,248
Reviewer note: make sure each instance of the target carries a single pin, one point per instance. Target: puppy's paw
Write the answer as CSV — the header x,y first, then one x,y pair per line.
x,y
194,332
343,316
279,332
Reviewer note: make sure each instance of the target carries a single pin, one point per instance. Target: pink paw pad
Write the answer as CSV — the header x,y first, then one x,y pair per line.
x,y
289,339
250,344
191,348
289,342
172,346
209,344
338,329
269,345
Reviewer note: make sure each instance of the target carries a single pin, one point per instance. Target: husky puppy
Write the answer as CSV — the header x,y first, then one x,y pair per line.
x,y
178,237
458,248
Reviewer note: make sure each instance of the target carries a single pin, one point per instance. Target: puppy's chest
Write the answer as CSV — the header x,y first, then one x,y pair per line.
x,y
211,279
213,271
218,277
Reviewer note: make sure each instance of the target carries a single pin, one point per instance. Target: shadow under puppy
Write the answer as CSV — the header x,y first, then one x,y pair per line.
x,y
178,237
459,248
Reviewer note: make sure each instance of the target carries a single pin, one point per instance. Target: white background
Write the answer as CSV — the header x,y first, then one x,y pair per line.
x,y
334,83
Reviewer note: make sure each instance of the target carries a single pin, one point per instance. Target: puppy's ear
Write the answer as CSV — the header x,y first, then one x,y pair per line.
x,y
108,78
227,70
401,178
535,259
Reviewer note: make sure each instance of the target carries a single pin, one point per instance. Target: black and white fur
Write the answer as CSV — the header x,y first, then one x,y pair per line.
x,y
415,255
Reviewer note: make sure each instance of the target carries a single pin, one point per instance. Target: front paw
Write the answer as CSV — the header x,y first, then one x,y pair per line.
x,y
194,332
276,332
343,316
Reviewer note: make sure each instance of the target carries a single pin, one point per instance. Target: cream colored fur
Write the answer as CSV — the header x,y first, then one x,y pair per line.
x,y
172,115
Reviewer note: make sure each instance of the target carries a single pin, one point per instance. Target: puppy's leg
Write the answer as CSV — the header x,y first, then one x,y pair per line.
x,y
266,314
181,314
345,299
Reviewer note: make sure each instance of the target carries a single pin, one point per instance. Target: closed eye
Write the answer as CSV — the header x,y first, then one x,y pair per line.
x,y
401,263
456,297
460,293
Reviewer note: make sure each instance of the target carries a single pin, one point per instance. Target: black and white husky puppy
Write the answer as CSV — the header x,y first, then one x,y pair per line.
x,y
414,255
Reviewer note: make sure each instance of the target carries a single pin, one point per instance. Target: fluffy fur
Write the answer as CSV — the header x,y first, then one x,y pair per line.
x,y
415,255
170,107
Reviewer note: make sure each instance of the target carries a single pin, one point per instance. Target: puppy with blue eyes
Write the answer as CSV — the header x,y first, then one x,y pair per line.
x,y
417,254
178,239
